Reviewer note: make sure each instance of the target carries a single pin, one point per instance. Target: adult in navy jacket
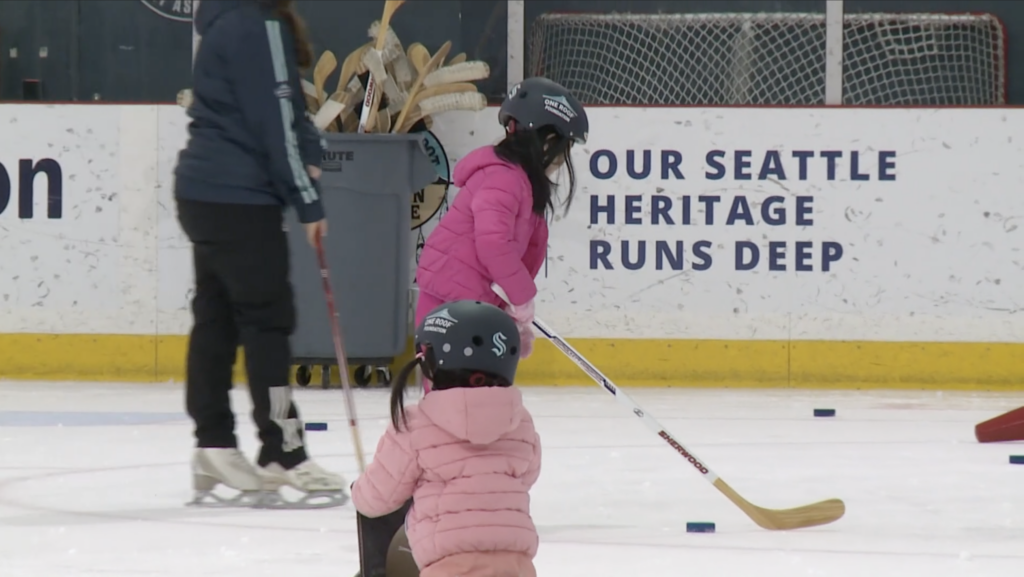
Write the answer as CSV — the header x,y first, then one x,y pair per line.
x,y
251,153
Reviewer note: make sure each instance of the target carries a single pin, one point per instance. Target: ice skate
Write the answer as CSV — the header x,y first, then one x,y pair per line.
x,y
321,488
212,467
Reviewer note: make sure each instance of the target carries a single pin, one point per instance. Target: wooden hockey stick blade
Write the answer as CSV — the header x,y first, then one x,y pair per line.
x,y
392,45
350,67
308,88
434,62
418,56
446,89
820,513
383,121
409,122
347,119
321,71
440,89
372,61
327,113
464,72
470,101
403,73
473,101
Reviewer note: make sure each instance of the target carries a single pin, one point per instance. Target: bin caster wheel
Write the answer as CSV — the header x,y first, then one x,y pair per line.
x,y
384,376
363,374
325,376
303,376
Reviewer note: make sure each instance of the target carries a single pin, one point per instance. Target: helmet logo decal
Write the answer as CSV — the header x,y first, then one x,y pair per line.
x,y
499,349
559,106
439,322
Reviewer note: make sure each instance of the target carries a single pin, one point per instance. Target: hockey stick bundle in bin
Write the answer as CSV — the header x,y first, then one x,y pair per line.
x,y
385,87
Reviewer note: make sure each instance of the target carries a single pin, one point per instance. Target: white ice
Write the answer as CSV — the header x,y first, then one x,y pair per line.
x,y
103,494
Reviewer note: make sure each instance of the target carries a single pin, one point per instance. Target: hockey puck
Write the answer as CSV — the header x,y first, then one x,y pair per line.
x,y
824,412
316,426
700,527
1017,459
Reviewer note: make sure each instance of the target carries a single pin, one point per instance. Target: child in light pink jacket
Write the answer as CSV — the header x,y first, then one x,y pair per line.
x,y
467,454
496,231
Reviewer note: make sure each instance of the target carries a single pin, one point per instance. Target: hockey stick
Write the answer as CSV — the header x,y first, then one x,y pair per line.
x,y
339,353
820,513
462,72
473,101
433,64
372,100
327,63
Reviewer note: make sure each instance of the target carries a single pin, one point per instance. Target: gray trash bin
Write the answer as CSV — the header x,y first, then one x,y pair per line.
x,y
367,184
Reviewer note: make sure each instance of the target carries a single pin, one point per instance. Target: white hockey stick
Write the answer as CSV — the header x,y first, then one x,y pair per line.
x,y
820,513
371,100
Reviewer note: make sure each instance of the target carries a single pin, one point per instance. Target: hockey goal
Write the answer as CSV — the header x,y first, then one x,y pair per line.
x,y
766,58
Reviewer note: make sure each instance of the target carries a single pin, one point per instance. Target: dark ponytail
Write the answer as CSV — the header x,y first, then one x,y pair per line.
x,y
285,11
526,148
442,380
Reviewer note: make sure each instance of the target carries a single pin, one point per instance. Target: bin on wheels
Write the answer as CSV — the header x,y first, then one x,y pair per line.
x,y
367,186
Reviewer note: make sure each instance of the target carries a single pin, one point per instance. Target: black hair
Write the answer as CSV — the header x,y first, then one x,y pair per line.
x,y
526,148
286,12
441,380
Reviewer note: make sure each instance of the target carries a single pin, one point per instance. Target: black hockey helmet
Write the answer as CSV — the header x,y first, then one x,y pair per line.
x,y
469,335
537,102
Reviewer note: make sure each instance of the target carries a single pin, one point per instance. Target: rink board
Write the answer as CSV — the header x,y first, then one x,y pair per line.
x,y
633,362
705,246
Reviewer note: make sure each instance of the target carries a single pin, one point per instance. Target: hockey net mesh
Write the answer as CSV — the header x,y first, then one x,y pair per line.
x,y
888,59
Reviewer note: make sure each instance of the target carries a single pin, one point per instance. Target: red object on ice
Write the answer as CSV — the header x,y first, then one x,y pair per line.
x,y
1005,427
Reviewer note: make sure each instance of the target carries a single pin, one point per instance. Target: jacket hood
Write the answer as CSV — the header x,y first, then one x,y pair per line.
x,y
478,415
210,10
474,162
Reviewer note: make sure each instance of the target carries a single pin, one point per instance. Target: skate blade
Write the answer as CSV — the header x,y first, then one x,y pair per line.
x,y
209,499
312,500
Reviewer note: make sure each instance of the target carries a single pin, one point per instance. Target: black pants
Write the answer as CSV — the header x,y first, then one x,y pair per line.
x,y
243,297
375,535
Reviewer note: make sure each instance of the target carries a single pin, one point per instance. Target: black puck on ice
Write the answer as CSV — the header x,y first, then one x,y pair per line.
x,y
1017,459
824,412
316,426
700,527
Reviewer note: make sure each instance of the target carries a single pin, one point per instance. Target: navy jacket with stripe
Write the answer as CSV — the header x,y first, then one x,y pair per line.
x,y
249,138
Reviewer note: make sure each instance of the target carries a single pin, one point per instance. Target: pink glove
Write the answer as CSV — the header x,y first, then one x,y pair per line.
x,y
525,340
522,314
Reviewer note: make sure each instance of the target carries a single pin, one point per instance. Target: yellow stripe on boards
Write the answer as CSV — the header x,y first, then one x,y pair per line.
x,y
628,362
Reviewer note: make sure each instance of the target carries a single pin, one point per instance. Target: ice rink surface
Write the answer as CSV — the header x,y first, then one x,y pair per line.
x,y
94,477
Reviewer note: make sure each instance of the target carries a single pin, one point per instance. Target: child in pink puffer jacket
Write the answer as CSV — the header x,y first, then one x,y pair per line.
x,y
495,231
467,455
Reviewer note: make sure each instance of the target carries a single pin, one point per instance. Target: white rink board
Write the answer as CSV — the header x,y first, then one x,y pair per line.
x,y
930,251
932,254
88,267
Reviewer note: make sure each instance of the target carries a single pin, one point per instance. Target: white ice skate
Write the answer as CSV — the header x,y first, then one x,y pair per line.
x,y
212,467
321,488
